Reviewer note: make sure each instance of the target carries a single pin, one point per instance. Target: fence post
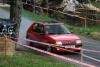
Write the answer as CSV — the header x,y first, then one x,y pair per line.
x,y
5,38
85,23
81,56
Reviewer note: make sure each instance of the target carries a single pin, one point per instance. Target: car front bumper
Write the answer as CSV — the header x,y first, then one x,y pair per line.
x,y
68,49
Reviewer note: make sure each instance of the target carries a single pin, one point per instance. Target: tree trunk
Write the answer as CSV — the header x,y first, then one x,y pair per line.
x,y
15,13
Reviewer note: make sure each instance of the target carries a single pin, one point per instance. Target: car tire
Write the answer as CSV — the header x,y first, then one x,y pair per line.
x,y
49,49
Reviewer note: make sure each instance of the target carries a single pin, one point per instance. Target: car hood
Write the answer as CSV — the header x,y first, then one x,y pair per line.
x,y
64,37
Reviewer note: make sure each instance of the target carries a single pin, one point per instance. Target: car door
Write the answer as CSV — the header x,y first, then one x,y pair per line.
x,y
39,35
36,32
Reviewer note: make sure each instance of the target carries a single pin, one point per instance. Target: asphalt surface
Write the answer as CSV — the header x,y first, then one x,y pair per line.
x,y
89,56
87,43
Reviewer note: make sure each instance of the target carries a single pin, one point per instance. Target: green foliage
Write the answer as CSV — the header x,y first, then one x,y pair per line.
x,y
84,31
33,16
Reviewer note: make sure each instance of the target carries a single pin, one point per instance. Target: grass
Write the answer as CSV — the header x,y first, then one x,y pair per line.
x,y
30,59
33,16
86,31
83,30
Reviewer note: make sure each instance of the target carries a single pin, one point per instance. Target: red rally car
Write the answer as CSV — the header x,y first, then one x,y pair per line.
x,y
56,34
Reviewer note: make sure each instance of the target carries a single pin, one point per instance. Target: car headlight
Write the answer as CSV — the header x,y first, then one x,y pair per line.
x,y
78,41
59,43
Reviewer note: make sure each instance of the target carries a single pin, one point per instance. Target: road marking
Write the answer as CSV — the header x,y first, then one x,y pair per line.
x,y
91,58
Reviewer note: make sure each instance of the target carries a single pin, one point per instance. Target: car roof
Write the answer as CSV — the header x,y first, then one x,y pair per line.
x,y
52,22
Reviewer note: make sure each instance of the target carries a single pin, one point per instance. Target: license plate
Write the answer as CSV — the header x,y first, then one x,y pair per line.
x,y
70,46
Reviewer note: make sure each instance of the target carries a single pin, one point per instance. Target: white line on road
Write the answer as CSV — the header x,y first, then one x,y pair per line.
x,y
91,58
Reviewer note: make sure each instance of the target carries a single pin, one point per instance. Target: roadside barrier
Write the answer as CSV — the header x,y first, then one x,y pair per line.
x,y
67,50
57,56
28,40
95,51
51,54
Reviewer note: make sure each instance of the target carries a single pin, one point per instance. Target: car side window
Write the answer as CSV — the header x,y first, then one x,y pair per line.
x,y
38,28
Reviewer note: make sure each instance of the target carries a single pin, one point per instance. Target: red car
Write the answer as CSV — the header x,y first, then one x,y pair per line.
x,y
56,34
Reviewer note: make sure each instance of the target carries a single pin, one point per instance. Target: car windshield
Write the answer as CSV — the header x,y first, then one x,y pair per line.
x,y
56,29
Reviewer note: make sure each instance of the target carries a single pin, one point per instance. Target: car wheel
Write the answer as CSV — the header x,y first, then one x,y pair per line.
x,y
49,49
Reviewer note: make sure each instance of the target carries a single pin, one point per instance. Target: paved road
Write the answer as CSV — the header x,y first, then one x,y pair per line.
x,y
87,43
92,45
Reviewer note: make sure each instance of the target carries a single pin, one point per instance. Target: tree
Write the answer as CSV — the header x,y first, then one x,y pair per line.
x,y
15,13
